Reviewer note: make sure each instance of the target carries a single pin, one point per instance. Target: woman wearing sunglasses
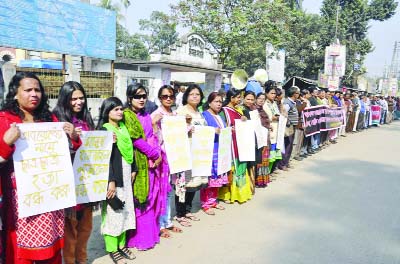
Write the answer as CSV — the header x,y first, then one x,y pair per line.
x,y
167,98
148,181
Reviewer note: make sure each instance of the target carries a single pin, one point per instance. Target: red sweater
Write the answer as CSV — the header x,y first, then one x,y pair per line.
x,y
6,151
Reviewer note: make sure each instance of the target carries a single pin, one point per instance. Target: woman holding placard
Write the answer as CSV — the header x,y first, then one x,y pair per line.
x,y
191,100
167,97
72,107
271,108
149,183
39,237
209,195
262,154
239,188
118,212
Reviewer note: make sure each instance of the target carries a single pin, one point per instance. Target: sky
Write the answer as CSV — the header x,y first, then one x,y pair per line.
x,y
382,34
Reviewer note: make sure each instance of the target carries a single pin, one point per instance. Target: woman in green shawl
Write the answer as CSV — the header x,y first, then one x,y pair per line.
x,y
115,222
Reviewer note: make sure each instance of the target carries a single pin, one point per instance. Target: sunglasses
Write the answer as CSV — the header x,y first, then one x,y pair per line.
x,y
139,96
165,97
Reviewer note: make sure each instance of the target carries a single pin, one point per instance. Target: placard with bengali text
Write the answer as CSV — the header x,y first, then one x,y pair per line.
x,y
245,140
43,169
202,148
91,166
176,140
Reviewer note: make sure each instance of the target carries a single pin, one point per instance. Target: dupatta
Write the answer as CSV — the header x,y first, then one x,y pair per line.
x,y
141,184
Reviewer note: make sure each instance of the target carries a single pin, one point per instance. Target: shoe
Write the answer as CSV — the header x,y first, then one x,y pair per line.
x,y
303,156
298,158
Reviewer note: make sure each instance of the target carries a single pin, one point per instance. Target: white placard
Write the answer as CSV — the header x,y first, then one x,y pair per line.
x,y
91,166
202,150
245,140
280,141
225,150
177,146
261,132
43,169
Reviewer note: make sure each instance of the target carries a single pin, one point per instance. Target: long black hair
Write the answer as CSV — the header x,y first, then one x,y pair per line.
x,y
63,109
131,90
41,113
231,93
107,105
190,88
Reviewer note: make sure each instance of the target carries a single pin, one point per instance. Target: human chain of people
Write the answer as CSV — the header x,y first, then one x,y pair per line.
x,y
129,166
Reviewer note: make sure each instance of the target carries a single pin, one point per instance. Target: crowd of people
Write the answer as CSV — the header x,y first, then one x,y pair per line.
x,y
139,174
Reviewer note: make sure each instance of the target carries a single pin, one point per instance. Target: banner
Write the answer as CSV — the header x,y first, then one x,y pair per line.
x,y
376,114
176,140
43,169
261,132
202,150
62,26
333,118
91,166
321,118
225,150
245,140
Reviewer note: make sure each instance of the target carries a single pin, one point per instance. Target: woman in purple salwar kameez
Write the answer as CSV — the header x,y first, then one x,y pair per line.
x,y
147,230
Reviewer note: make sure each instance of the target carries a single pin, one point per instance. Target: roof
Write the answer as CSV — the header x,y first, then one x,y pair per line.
x,y
300,82
178,66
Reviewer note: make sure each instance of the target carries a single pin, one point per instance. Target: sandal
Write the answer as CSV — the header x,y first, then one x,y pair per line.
x,y
219,207
182,221
192,217
165,233
209,211
127,253
175,229
117,257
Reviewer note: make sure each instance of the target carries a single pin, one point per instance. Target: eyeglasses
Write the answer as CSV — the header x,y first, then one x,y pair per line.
x,y
139,96
166,96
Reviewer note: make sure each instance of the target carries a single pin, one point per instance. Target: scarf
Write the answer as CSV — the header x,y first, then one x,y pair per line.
x,y
124,142
141,184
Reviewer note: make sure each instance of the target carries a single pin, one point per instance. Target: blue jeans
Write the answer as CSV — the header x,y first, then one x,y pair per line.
x,y
165,220
315,141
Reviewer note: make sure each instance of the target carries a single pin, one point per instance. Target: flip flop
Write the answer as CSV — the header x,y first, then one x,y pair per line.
x,y
165,233
209,211
175,229
192,217
182,221
219,207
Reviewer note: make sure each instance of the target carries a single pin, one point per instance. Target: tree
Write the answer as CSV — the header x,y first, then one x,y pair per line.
x,y
130,46
304,55
162,31
238,29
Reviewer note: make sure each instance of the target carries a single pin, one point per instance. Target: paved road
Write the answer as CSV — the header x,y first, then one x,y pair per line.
x,y
339,206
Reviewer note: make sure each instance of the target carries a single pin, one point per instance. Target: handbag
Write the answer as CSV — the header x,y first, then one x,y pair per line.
x,y
116,203
289,131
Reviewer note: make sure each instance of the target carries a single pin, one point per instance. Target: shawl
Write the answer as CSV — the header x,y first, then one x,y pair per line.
x,y
240,167
124,142
141,184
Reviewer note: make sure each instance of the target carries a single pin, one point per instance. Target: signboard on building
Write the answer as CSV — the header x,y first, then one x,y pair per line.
x,y
62,26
